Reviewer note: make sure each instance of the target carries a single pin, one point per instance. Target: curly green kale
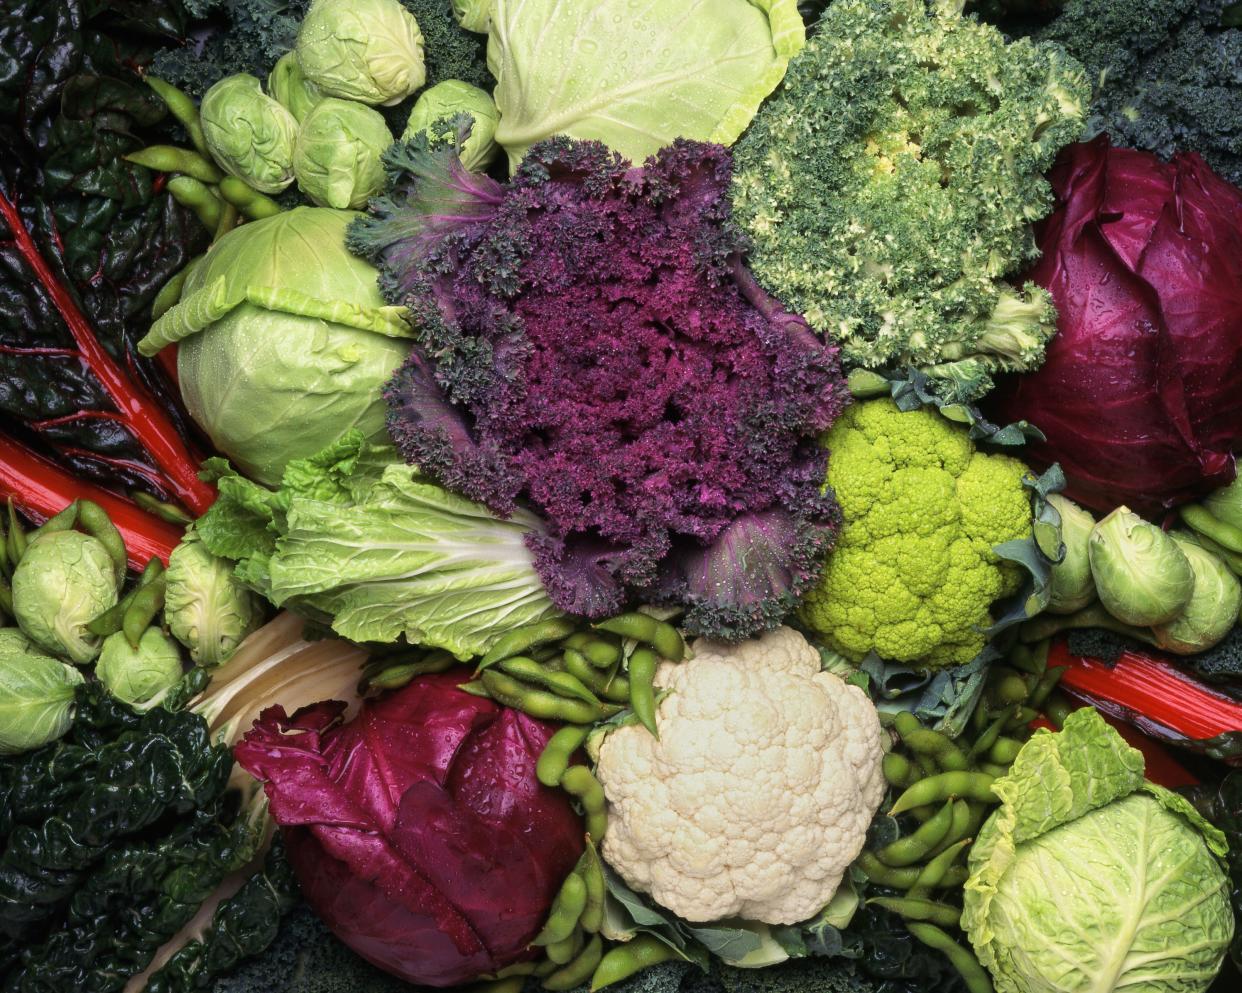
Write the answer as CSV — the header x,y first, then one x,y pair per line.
x,y
890,186
1166,73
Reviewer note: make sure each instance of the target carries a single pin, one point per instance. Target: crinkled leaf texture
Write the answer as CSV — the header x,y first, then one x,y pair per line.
x,y
636,76
1140,398
356,538
418,830
1089,878
591,346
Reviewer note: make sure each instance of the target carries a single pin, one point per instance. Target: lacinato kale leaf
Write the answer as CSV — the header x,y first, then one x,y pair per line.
x,y
87,240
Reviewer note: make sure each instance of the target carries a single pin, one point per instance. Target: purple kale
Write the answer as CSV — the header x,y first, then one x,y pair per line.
x,y
591,346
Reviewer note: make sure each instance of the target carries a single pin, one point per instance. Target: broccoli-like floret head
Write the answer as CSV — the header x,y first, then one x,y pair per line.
x,y
1166,74
890,185
914,571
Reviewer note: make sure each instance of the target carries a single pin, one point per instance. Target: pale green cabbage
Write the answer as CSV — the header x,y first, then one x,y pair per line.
x,y
285,340
64,581
473,15
36,695
206,609
1140,573
357,539
287,85
337,157
636,76
249,134
1088,879
136,675
365,50
1071,587
1213,608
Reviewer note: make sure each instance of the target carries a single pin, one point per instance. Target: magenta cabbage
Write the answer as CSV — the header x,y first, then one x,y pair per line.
x,y
1141,393
591,346
418,830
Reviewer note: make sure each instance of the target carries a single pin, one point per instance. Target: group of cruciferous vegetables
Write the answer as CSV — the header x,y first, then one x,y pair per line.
x,y
729,496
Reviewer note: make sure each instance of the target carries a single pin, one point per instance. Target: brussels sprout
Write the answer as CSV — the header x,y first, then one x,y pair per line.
x,y
337,157
36,698
206,609
474,15
1140,573
12,641
285,341
1226,503
290,88
63,581
135,675
365,50
249,134
448,99
1071,587
1213,608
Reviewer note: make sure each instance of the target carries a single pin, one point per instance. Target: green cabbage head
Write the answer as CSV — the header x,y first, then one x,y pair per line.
x,y
337,157
206,608
447,100
250,135
1089,879
285,341
365,50
136,675
36,695
289,86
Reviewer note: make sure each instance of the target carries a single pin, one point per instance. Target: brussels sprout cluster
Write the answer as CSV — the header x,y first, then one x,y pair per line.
x,y
1175,590
317,125
65,586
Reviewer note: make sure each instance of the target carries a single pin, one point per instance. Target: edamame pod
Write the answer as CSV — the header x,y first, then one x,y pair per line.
x,y
537,703
251,202
933,874
660,635
986,740
556,754
915,909
611,686
518,640
94,520
147,602
973,974
581,783
959,826
915,847
898,771
1206,523
600,652
593,875
393,677
560,683
16,540
1004,751
642,669
938,788
191,193
579,970
562,952
1047,683
625,960
936,746
566,909
183,108
168,158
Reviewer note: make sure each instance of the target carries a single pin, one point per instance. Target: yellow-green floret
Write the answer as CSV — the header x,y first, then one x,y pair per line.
x,y
914,574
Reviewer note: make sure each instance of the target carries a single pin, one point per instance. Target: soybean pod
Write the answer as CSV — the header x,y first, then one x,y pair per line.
x,y
95,521
917,909
1208,524
228,220
1021,718
578,970
250,202
1043,689
112,620
907,876
164,301
561,952
183,108
180,161
546,706
611,686
660,635
898,770
938,788
933,874
509,984
191,193
395,675
597,891
566,909
972,973
63,521
960,826
938,747
560,683
986,740
146,603
15,540
518,640
625,960
642,669
557,753
580,782
1004,751
598,651
914,847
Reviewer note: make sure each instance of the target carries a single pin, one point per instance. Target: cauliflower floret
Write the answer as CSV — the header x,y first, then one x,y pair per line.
x,y
758,793
914,572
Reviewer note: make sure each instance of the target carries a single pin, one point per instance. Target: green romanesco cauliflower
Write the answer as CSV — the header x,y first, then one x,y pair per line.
x,y
914,571
890,185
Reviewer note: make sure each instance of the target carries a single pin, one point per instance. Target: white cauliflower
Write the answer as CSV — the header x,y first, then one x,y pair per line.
x,y
758,793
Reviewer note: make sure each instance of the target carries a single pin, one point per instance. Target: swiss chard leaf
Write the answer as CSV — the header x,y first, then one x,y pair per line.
x,y
87,240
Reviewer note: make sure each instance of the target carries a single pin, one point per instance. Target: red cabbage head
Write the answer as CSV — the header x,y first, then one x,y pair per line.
x,y
418,830
1141,393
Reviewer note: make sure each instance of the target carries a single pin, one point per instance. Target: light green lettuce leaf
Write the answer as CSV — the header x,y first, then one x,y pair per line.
x,y
636,74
